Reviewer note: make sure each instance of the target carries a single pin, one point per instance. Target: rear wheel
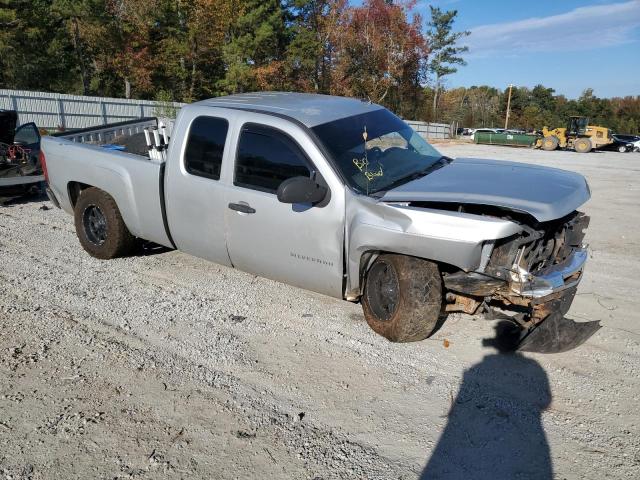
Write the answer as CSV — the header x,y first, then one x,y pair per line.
x,y
550,143
582,145
99,225
402,298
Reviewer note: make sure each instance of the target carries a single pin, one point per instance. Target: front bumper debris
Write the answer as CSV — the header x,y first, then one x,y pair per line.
x,y
553,279
557,334
551,292
530,281
547,330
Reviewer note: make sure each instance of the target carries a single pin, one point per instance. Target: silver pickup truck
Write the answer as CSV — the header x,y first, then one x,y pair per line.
x,y
341,197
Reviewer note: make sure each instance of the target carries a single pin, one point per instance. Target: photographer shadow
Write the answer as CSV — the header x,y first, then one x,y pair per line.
x,y
494,428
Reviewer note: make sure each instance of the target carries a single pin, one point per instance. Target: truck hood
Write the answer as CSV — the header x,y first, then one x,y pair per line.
x,y
542,192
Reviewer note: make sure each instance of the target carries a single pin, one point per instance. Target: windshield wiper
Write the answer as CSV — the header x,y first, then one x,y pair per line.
x,y
438,164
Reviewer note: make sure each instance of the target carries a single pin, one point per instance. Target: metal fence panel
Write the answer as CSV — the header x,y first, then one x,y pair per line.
x,y
57,111
63,112
431,130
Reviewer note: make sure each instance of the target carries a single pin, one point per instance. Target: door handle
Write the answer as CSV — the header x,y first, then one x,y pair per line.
x,y
242,208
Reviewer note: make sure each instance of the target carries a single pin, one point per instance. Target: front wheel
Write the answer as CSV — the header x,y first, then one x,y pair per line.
x,y
402,298
550,143
622,149
582,145
99,225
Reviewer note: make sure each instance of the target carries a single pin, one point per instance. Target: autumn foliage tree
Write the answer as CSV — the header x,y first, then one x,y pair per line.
x,y
123,58
381,52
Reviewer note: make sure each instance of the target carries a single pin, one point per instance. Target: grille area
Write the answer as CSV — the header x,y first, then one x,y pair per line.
x,y
544,245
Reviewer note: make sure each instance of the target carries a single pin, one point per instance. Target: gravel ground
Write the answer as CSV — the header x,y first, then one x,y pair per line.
x,y
166,366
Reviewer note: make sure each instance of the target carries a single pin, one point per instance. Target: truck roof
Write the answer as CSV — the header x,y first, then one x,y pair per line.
x,y
310,109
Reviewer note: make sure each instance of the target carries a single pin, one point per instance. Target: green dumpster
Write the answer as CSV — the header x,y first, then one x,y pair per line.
x,y
510,139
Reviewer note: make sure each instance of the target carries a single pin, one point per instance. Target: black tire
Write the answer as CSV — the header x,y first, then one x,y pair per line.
x,y
582,145
550,143
413,296
99,226
622,149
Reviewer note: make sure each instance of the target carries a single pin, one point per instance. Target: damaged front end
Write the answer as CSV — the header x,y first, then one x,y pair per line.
x,y
533,276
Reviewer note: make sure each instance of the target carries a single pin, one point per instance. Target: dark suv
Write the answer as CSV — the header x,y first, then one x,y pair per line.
x,y
627,138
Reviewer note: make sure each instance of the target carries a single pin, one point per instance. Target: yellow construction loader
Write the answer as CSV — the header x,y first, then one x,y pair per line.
x,y
578,136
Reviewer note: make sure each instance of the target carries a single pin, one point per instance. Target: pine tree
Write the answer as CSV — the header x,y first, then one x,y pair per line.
x,y
79,18
311,52
255,47
442,45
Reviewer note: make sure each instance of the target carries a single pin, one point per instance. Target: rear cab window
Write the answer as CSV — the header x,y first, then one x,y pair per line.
x,y
205,147
266,157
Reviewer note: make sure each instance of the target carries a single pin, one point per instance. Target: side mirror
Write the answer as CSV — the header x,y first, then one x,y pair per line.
x,y
301,190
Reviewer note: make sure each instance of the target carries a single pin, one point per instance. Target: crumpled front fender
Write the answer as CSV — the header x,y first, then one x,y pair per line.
x,y
449,237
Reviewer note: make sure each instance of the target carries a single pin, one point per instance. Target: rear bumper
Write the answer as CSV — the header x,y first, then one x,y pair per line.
x,y
20,180
551,280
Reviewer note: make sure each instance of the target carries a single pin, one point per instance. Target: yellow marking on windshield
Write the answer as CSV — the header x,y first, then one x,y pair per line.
x,y
362,164
371,175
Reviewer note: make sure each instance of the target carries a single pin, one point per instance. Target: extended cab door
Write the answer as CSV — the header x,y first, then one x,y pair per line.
x,y
194,193
298,244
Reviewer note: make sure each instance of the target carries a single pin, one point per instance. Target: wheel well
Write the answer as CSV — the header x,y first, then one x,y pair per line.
x,y
74,189
367,258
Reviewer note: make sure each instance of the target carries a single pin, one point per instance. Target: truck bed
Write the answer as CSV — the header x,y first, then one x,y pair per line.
x,y
78,159
127,134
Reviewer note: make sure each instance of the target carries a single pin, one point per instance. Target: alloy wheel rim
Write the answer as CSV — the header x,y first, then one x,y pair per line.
x,y
95,224
383,290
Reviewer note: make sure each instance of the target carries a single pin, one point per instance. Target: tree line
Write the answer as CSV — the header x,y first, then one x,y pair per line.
x,y
533,108
186,50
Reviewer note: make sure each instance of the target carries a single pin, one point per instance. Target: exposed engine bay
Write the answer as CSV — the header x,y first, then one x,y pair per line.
x,y
15,157
525,278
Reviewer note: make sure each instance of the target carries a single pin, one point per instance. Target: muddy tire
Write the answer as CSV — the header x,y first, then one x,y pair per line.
x,y
550,143
582,145
402,298
99,226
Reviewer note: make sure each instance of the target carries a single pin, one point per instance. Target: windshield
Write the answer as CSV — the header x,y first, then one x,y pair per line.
x,y
376,151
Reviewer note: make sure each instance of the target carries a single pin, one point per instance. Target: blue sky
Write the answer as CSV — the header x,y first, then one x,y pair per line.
x,y
567,45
